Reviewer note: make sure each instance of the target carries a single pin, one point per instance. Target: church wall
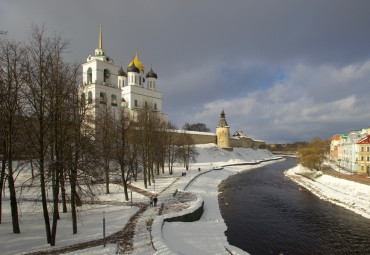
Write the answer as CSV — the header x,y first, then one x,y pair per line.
x,y
130,93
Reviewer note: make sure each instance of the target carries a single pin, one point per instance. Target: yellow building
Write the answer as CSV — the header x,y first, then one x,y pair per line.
x,y
363,157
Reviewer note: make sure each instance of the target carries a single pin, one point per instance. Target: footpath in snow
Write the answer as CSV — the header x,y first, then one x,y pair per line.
x,y
348,194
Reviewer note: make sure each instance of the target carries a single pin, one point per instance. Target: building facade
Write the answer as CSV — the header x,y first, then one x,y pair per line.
x,y
107,85
363,159
349,151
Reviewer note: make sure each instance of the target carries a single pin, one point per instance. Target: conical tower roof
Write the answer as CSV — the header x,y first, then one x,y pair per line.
x,y
222,122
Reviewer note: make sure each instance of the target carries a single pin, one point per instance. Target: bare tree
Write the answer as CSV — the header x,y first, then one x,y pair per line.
x,y
104,139
148,125
43,83
12,69
121,148
186,150
171,147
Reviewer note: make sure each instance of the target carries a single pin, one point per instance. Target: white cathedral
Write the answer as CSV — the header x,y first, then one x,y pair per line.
x,y
106,84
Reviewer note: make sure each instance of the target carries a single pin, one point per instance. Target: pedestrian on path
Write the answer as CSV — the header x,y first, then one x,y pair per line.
x,y
155,200
151,201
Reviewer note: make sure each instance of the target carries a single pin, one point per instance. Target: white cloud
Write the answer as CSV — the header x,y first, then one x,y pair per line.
x,y
314,101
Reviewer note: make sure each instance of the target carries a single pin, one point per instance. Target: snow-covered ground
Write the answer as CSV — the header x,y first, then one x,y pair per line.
x,y
351,195
205,236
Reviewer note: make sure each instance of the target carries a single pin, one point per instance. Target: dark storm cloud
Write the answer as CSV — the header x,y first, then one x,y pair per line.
x,y
254,58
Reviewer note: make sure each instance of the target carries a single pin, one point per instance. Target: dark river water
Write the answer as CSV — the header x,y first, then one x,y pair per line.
x,y
268,213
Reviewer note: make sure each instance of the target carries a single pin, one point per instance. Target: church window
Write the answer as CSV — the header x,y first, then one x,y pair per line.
x,y
114,100
135,79
106,75
89,75
103,98
155,106
119,84
135,103
153,85
89,97
140,81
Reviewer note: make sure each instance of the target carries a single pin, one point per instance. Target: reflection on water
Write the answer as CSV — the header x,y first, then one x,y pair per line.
x,y
267,213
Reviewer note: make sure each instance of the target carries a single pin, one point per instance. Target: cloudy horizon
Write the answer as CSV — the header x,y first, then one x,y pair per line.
x,y
284,70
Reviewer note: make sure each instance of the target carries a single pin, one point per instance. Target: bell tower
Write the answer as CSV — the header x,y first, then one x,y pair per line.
x,y
223,133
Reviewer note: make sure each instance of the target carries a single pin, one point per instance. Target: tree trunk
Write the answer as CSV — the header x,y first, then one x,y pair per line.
x,y
106,170
44,200
56,175
2,182
63,189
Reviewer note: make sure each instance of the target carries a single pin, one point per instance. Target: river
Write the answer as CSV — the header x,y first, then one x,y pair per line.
x,y
267,213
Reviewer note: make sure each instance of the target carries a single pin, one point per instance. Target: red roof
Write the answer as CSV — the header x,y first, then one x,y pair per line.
x,y
365,140
336,137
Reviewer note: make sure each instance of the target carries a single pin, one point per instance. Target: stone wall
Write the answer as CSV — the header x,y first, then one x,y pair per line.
x,y
199,137
207,137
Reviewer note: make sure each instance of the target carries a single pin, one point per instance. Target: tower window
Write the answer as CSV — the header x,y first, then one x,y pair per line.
x,y
106,75
89,75
89,97
114,100
155,106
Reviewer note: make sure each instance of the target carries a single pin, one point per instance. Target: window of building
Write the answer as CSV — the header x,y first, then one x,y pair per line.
x,y
135,79
114,100
135,103
140,81
155,106
362,158
362,148
89,97
106,75
103,98
362,167
368,148
89,75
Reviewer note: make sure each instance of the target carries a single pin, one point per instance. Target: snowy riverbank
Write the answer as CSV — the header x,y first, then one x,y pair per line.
x,y
348,194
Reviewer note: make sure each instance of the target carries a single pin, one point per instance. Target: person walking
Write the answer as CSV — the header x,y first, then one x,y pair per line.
x,y
155,200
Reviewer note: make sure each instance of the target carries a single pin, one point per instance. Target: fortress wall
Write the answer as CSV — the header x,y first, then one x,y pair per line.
x,y
198,137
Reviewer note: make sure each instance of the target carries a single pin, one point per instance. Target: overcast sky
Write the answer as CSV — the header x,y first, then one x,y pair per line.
x,y
283,71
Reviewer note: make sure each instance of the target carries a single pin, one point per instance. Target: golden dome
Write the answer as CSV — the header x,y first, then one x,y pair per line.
x,y
137,63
